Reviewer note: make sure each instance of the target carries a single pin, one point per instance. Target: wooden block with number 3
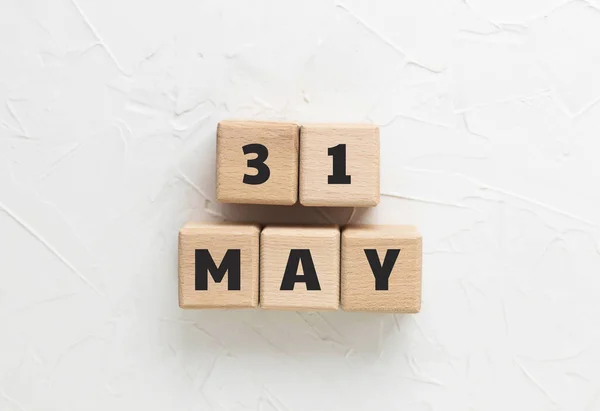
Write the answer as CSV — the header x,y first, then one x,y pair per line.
x,y
339,165
300,268
257,162
218,265
381,269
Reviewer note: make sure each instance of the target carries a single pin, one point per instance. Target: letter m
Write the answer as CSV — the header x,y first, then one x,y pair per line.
x,y
230,264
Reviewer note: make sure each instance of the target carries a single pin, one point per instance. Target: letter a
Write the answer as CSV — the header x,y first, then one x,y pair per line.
x,y
291,277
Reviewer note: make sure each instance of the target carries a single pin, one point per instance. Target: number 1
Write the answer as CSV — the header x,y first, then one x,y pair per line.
x,y
339,165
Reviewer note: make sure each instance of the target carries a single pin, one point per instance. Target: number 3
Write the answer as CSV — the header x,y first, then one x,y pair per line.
x,y
263,171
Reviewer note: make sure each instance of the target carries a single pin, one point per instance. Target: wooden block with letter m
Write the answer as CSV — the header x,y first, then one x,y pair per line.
x,y
218,265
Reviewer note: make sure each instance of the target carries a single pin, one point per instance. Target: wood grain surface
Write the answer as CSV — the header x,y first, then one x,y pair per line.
x,y
218,238
358,292
324,245
281,140
362,165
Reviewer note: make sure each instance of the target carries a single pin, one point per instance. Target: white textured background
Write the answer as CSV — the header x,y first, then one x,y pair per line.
x,y
490,140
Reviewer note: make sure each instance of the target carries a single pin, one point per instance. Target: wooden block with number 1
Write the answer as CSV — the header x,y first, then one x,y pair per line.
x,y
300,267
257,162
218,265
381,269
339,165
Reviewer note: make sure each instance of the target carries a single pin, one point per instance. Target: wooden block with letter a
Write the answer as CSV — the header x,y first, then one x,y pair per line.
x,y
218,265
339,165
381,269
257,162
300,268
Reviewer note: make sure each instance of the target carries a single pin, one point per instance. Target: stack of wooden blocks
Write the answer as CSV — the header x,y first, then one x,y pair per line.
x,y
366,268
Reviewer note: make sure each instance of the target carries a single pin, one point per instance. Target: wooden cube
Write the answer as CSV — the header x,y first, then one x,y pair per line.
x,y
257,162
339,165
300,268
381,269
218,265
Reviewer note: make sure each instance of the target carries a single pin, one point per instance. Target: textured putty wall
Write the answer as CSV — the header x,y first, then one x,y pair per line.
x,y
490,141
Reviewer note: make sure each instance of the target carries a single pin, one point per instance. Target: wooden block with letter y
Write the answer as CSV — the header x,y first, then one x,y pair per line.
x,y
257,162
339,165
381,269
300,268
218,265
